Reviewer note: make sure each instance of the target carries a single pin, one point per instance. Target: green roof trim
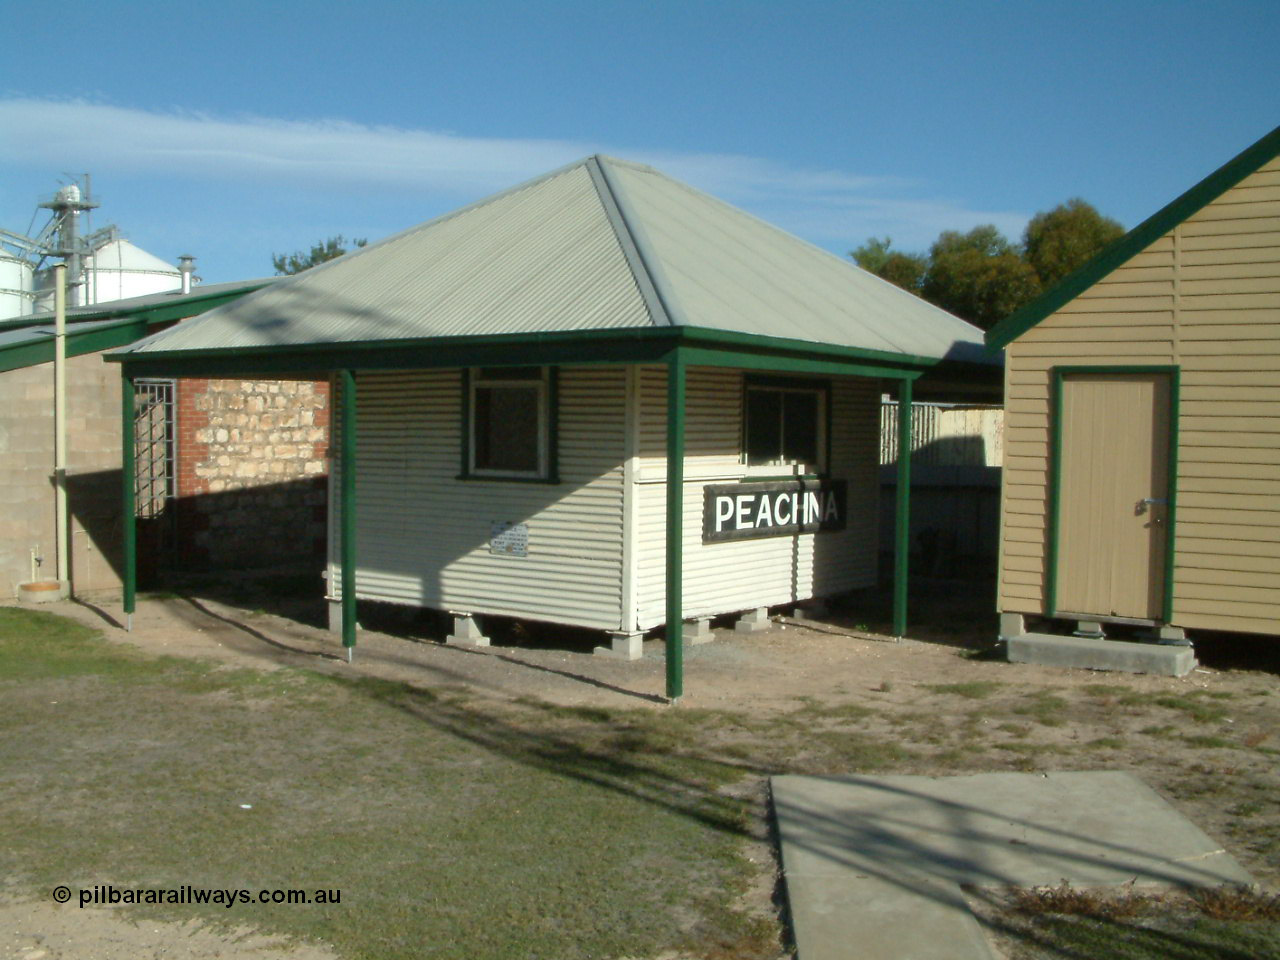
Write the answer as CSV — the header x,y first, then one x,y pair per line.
x,y
155,313
637,344
133,324
1136,240
30,353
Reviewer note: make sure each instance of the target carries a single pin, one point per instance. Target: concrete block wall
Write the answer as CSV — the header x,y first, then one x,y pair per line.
x,y
93,473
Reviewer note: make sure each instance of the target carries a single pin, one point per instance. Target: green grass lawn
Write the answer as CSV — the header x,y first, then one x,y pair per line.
x,y
451,830
462,826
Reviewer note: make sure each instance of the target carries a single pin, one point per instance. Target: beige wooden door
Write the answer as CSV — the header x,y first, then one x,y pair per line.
x,y
1112,497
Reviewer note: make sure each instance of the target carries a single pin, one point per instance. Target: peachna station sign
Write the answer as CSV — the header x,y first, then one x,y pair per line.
x,y
745,511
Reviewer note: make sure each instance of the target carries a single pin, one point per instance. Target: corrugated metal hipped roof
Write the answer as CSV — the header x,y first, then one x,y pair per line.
x,y
599,245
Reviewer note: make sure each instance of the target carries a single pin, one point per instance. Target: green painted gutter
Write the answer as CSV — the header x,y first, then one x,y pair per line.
x,y
628,345
134,325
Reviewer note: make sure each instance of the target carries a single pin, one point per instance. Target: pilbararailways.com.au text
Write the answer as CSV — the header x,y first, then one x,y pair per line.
x,y
105,895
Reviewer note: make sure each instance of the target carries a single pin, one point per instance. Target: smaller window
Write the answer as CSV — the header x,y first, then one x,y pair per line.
x,y
785,425
509,414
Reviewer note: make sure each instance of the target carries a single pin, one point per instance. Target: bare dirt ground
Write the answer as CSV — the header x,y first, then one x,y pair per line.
x,y
38,930
800,699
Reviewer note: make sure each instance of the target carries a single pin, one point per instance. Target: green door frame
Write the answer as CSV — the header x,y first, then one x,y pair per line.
x,y
1057,375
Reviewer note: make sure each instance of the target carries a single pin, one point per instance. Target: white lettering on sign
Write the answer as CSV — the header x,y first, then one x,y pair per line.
x,y
772,508
783,500
724,510
764,517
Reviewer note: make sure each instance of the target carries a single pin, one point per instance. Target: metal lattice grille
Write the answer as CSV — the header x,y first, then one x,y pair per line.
x,y
155,446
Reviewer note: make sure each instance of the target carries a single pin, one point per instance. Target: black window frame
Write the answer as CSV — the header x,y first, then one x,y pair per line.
x,y
821,388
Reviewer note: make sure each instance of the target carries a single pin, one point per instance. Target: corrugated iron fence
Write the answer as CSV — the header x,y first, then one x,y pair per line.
x,y
957,452
946,435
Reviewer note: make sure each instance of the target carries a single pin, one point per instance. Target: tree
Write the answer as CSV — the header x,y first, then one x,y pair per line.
x,y
1059,241
979,276
984,277
905,270
325,250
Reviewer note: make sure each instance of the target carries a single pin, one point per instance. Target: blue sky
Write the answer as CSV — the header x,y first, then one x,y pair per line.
x,y
232,130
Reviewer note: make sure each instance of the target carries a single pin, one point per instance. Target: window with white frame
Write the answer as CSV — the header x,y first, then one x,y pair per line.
x,y
785,424
509,414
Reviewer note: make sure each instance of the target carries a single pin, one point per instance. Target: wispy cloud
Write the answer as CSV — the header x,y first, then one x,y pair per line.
x,y
822,205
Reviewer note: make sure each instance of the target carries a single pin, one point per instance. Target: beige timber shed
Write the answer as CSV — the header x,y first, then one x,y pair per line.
x,y
1142,477
601,399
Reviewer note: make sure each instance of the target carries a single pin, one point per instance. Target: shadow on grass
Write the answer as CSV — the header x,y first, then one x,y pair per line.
x,y
628,756
1170,937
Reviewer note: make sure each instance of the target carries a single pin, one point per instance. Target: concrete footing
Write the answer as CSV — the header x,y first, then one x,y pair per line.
x,y
44,591
1089,630
466,632
1012,625
812,609
697,631
335,616
754,621
1172,636
1092,654
623,646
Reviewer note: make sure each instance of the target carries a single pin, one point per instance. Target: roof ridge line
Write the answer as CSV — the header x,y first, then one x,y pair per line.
x,y
290,279
443,218
809,245
636,249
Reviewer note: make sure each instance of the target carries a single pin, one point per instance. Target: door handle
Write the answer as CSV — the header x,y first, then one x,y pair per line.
x,y
1150,502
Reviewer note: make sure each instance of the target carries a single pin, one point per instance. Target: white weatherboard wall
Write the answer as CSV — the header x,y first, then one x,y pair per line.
x,y
743,574
597,540
423,534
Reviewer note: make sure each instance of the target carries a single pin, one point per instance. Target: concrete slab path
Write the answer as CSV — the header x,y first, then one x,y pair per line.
x,y
874,865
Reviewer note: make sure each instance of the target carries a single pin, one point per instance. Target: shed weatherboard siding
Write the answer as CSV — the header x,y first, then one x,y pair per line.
x,y
423,534
1205,297
743,574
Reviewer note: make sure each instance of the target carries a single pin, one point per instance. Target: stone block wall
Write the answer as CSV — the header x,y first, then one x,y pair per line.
x,y
252,471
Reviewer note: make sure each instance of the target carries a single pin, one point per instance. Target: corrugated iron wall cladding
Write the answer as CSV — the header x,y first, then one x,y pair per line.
x,y
423,535
542,258
713,423
724,267
738,575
